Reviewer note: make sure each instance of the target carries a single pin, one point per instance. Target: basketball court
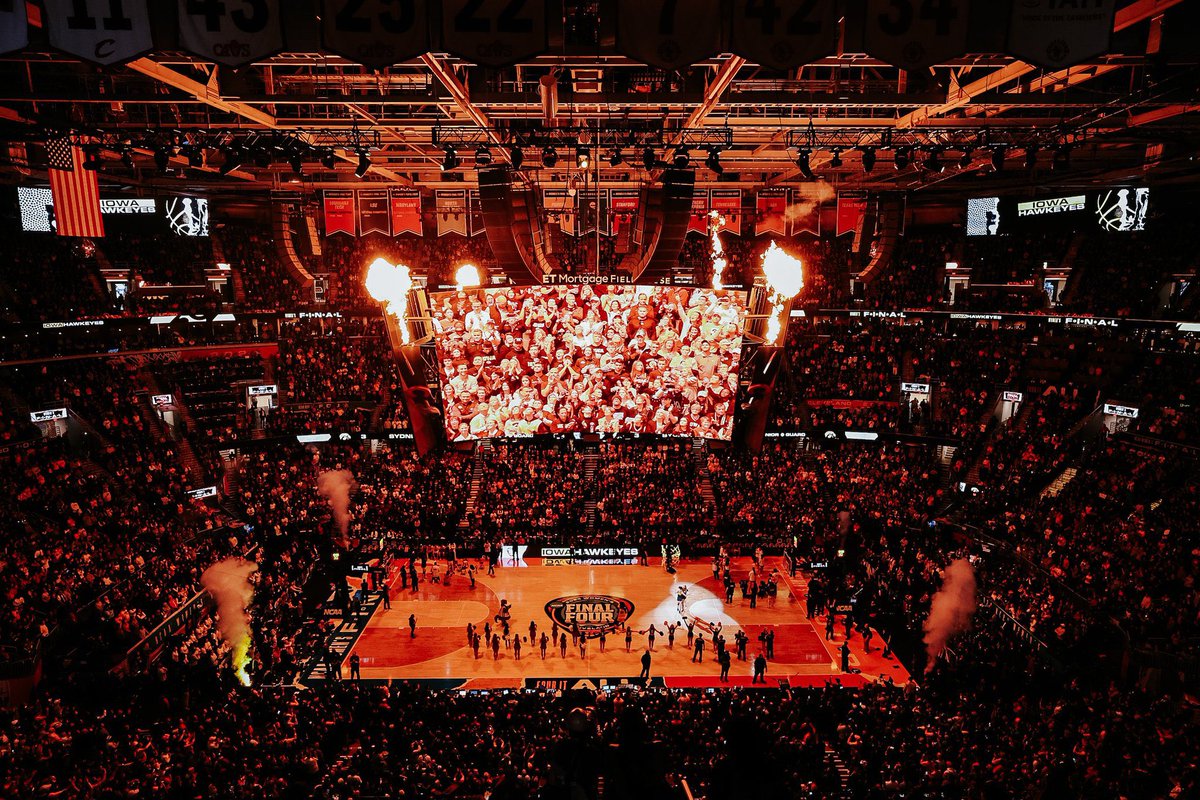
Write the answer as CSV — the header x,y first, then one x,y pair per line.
x,y
602,597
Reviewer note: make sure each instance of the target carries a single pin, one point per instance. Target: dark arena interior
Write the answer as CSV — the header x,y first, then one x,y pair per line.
x,y
599,399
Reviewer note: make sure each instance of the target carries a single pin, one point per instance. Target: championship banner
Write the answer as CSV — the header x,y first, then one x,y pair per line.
x,y
804,212
728,203
451,207
559,205
475,213
623,207
667,33
339,211
494,33
1054,34
406,211
912,35
375,33
698,221
850,209
784,34
771,205
14,27
373,213
234,34
100,31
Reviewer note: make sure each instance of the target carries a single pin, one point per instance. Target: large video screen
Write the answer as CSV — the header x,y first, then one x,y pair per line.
x,y
615,359
1116,209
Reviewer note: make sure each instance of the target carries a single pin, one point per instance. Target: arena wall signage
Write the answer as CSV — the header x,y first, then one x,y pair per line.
x,y
255,391
1013,397
915,388
202,493
562,556
593,614
47,415
1129,412
1115,209
162,400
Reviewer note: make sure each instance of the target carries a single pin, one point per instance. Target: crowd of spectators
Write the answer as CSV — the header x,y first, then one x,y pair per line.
x,y
531,493
650,493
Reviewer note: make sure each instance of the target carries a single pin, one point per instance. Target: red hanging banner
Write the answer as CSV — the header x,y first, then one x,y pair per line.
x,y
698,221
771,206
339,211
728,203
406,211
373,212
850,209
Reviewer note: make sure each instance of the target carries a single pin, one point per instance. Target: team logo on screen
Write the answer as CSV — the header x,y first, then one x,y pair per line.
x,y
593,613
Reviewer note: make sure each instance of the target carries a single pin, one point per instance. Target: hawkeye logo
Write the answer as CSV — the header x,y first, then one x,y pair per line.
x,y
593,613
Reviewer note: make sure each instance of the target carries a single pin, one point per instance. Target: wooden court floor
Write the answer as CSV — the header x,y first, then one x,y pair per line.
x,y
439,653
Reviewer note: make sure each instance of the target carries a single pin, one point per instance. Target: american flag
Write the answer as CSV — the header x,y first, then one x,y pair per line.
x,y
76,190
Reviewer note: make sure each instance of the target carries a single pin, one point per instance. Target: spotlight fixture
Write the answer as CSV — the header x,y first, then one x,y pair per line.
x,y
964,160
195,156
681,158
933,162
162,159
516,156
234,156
900,160
713,162
1031,154
583,157
450,159
328,158
549,156
615,158
127,159
649,160
868,159
804,162
835,160
262,157
364,163
483,156
998,154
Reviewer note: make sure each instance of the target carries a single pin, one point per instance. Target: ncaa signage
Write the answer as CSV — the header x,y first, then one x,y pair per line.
x,y
592,613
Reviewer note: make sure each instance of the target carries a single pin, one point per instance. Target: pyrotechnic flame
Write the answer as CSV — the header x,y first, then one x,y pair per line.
x,y
467,277
241,658
390,285
718,252
785,279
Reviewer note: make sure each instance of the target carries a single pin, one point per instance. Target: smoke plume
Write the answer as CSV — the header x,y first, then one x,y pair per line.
x,y
952,608
807,198
336,486
228,582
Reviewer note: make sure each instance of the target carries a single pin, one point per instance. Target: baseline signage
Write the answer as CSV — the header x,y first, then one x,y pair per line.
x,y
1129,412
561,556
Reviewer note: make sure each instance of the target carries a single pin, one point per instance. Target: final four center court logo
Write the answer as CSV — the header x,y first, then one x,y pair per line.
x,y
594,613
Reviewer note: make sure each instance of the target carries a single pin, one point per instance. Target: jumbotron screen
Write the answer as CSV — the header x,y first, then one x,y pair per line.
x,y
615,359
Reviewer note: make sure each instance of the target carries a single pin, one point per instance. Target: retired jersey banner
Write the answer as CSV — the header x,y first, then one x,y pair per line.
x,y
623,206
850,209
668,34
1055,34
494,33
915,34
475,213
728,203
784,34
698,221
14,26
373,212
375,33
560,207
451,206
100,31
339,211
231,33
771,205
406,211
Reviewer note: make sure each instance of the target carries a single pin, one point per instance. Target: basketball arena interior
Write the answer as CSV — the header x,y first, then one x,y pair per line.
x,y
599,399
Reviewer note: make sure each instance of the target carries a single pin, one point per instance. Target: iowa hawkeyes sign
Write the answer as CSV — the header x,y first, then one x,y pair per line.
x,y
593,613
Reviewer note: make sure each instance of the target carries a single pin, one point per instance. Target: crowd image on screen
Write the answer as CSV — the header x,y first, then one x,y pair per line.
x,y
622,359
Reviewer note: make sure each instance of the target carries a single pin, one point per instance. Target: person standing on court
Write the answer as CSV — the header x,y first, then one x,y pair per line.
x,y
652,633
475,641
603,639
760,669
495,647
830,621
725,660
645,665
562,644
771,643
412,626
355,674
517,647
545,641
583,647
628,639
412,576
698,653
845,656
